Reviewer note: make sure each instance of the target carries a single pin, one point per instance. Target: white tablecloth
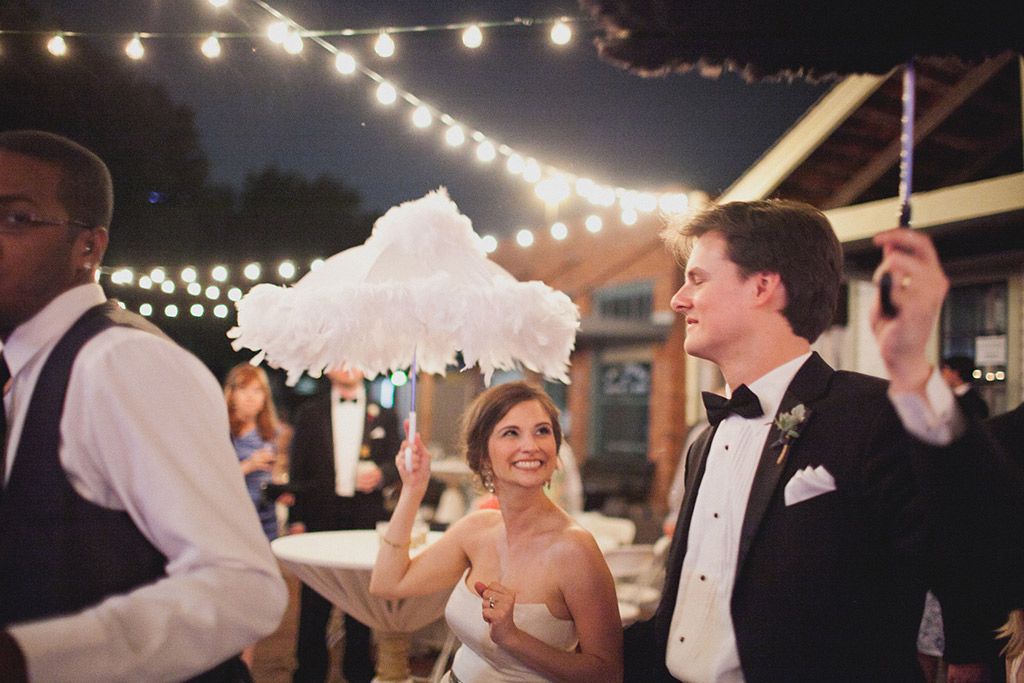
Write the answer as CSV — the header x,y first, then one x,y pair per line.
x,y
337,564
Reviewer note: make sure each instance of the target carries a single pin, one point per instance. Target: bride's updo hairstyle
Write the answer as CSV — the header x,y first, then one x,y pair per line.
x,y
489,408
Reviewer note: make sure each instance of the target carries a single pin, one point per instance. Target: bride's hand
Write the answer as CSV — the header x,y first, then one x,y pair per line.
x,y
420,474
498,606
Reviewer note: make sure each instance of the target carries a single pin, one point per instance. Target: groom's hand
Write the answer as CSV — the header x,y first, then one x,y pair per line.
x,y
919,288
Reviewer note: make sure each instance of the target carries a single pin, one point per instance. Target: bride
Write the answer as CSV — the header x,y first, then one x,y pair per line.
x,y
533,598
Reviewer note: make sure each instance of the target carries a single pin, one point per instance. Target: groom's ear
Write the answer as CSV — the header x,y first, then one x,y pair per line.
x,y
769,289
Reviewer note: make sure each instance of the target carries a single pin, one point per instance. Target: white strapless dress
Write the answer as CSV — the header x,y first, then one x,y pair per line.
x,y
479,660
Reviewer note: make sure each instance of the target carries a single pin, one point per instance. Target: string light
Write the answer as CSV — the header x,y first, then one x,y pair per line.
x,y
285,31
489,243
196,310
211,47
220,310
252,271
134,48
455,136
629,217
316,264
561,34
594,223
559,230
531,171
57,46
234,294
345,63
277,32
553,190
167,287
213,292
157,275
189,274
293,43
385,46
472,37
485,151
171,311
145,282
524,237
286,270
219,273
194,288
515,164
146,310
421,117
386,93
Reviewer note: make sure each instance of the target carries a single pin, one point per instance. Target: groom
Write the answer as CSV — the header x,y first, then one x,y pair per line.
x,y
802,550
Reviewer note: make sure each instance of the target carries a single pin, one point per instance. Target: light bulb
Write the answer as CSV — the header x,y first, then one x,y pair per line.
x,y
293,43
472,37
345,63
277,32
134,48
455,136
211,47
561,33
386,93
57,46
385,46
421,117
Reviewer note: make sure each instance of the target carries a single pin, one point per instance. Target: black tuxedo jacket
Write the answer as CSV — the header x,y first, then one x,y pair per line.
x,y
312,468
830,588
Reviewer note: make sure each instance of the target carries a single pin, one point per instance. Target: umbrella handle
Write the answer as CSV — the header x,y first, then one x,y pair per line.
x,y
889,309
411,435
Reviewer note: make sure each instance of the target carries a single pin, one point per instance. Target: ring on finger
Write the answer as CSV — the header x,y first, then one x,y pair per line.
x,y
491,603
905,282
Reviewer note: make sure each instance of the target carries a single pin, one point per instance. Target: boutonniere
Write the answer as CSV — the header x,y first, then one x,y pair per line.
x,y
373,410
789,424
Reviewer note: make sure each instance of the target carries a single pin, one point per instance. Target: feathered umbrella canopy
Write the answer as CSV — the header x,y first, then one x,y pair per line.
x,y
799,38
420,284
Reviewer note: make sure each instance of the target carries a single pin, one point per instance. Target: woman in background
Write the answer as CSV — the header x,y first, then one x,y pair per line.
x,y
256,434
533,599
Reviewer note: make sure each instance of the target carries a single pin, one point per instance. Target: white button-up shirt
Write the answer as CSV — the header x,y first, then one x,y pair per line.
x,y
145,430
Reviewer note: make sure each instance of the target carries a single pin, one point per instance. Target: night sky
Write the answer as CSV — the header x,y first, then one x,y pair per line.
x,y
257,105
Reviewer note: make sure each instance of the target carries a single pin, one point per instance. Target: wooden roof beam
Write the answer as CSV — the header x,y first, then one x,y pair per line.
x,y
931,119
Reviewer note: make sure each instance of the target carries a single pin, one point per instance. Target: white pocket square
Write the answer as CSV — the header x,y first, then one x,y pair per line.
x,y
808,483
377,433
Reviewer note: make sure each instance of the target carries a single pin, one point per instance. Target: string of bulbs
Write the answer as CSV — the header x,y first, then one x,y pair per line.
x,y
551,184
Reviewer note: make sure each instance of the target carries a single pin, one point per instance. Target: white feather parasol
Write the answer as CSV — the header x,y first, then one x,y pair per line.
x,y
419,289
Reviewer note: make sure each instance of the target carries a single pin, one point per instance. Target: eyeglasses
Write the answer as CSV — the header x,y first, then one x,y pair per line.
x,y
16,221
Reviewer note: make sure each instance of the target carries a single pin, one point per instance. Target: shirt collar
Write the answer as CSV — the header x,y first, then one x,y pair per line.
x,y
771,387
50,324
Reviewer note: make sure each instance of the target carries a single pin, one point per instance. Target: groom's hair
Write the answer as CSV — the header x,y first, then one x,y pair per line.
x,y
793,239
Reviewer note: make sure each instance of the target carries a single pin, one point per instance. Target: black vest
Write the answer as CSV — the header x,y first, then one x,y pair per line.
x,y
60,553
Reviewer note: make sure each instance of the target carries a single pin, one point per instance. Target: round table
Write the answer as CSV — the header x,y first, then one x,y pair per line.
x,y
338,564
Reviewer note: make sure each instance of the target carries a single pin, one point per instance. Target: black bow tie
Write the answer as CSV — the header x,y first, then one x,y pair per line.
x,y
342,399
743,402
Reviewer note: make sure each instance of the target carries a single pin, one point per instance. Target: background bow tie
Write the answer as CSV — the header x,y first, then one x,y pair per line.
x,y
342,399
743,402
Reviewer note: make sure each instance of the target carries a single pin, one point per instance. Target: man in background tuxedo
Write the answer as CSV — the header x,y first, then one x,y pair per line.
x,y
804,546
342,458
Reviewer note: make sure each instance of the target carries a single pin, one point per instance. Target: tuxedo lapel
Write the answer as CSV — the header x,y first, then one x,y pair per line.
x,y
807,386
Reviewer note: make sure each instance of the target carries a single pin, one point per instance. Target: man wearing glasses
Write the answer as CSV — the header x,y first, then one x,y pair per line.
x,y
129,550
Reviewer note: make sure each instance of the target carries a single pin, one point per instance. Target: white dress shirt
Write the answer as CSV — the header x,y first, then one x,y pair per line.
x,y
145,430
348,420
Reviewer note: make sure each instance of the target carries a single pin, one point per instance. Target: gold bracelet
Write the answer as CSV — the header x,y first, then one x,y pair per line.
x,y
393,544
